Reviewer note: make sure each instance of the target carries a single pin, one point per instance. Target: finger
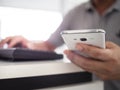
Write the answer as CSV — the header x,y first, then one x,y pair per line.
x,y
101,69
110,45
4,41
14,42
94,52
87,64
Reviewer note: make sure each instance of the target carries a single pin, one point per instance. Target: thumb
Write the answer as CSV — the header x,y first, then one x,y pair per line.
x,y
110,45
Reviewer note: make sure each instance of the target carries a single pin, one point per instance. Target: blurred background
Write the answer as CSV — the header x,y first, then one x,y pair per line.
x,y
33,19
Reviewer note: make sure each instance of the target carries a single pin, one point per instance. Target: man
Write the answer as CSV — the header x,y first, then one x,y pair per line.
x,y
103,14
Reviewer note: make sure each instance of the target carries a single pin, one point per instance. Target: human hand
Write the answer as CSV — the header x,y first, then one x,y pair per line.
x,y
105,63
14,41
20,41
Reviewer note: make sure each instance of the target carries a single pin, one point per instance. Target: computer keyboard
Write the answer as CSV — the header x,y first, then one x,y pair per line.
x,y
23,54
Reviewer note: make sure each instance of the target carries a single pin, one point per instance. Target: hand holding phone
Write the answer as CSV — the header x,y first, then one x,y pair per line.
x,y
95,37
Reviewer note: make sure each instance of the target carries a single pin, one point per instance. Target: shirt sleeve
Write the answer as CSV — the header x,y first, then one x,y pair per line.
x,y
55,38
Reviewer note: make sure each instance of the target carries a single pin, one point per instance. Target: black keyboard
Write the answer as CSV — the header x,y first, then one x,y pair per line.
x,y
23,54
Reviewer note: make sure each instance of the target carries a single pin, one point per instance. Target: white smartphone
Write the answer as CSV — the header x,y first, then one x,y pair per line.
x,y
95,37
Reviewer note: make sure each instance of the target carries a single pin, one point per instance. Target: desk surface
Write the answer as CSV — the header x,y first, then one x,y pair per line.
x,y
37,68
13,70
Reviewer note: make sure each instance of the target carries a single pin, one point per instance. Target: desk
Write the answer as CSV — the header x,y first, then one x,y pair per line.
x,y
95,85
29,73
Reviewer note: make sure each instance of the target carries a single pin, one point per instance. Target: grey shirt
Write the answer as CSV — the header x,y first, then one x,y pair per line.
x,y
86,17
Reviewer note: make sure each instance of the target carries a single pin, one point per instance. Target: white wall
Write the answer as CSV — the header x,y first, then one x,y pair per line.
x,y
34,4
55,5
41,18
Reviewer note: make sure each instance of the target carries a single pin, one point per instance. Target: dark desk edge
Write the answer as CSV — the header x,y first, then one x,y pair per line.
x,y
38,82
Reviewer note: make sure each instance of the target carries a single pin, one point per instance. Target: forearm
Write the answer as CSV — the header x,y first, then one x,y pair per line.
x,y
41,45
